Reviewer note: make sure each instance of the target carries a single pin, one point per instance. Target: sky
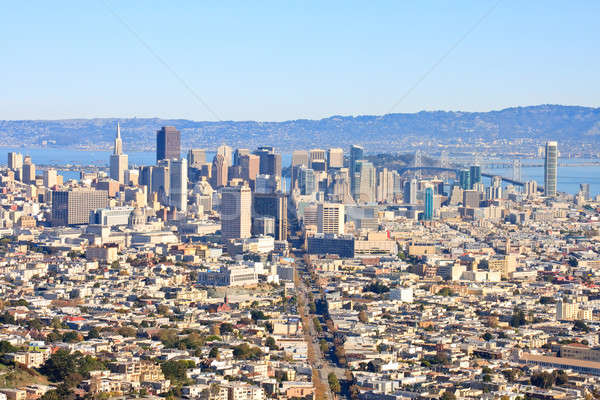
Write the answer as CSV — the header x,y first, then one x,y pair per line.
x,y
283,60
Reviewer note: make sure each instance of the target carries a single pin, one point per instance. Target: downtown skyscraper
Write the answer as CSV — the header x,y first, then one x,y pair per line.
x,y
168,143
550,168
118,161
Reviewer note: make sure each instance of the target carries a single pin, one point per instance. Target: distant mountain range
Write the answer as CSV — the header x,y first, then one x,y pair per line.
x,y
389,132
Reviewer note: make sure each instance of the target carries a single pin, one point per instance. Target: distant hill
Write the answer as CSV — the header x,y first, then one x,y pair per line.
x,y
388,132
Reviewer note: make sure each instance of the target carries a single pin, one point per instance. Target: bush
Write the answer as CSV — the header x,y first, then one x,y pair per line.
x,y
377,288
245,352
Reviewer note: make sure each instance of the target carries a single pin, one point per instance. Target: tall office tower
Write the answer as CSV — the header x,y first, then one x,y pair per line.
x,y
270,162
267,184
72,207
429,206
236,210
384,189
464,179
161,179
29,171
474,175
15,164
272,205
584,188
410,191
398,189
227,154
299,158
339,189
132,177
364,182
531,188
178,190
335,158
471,198
238,154
168,143
356,153
50,178
330,218
494,193
496,181
118,160
306,181
219,171
146,176
550,166
250,164
15,161
317,160
196,157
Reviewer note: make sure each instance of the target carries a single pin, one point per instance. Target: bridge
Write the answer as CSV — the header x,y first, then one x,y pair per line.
x,y
454,171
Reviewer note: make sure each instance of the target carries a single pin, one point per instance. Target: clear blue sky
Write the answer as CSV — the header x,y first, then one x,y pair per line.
x,y
260,60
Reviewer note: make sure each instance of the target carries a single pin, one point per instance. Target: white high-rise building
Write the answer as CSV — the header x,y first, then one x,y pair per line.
x,y
550,168
50,178
15,163
227,153
330,218
335,158
118,161
178,184
236,212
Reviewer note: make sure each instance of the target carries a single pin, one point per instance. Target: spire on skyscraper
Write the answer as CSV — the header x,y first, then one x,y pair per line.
x,y
118,149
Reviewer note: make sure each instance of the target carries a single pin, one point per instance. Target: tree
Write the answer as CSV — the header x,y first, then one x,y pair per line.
x,y
448,396
93,333
176,370
271,344
214,352
127,331
446,291
483,264
573,262
73,379
317,325
334,384
257,315
560,377
377,288
362,317
59,365
7,318
6,347
324,346
51,395
547,300
245,352
511,375
518,318
543,380
581,326
487,336
71,337
226,328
